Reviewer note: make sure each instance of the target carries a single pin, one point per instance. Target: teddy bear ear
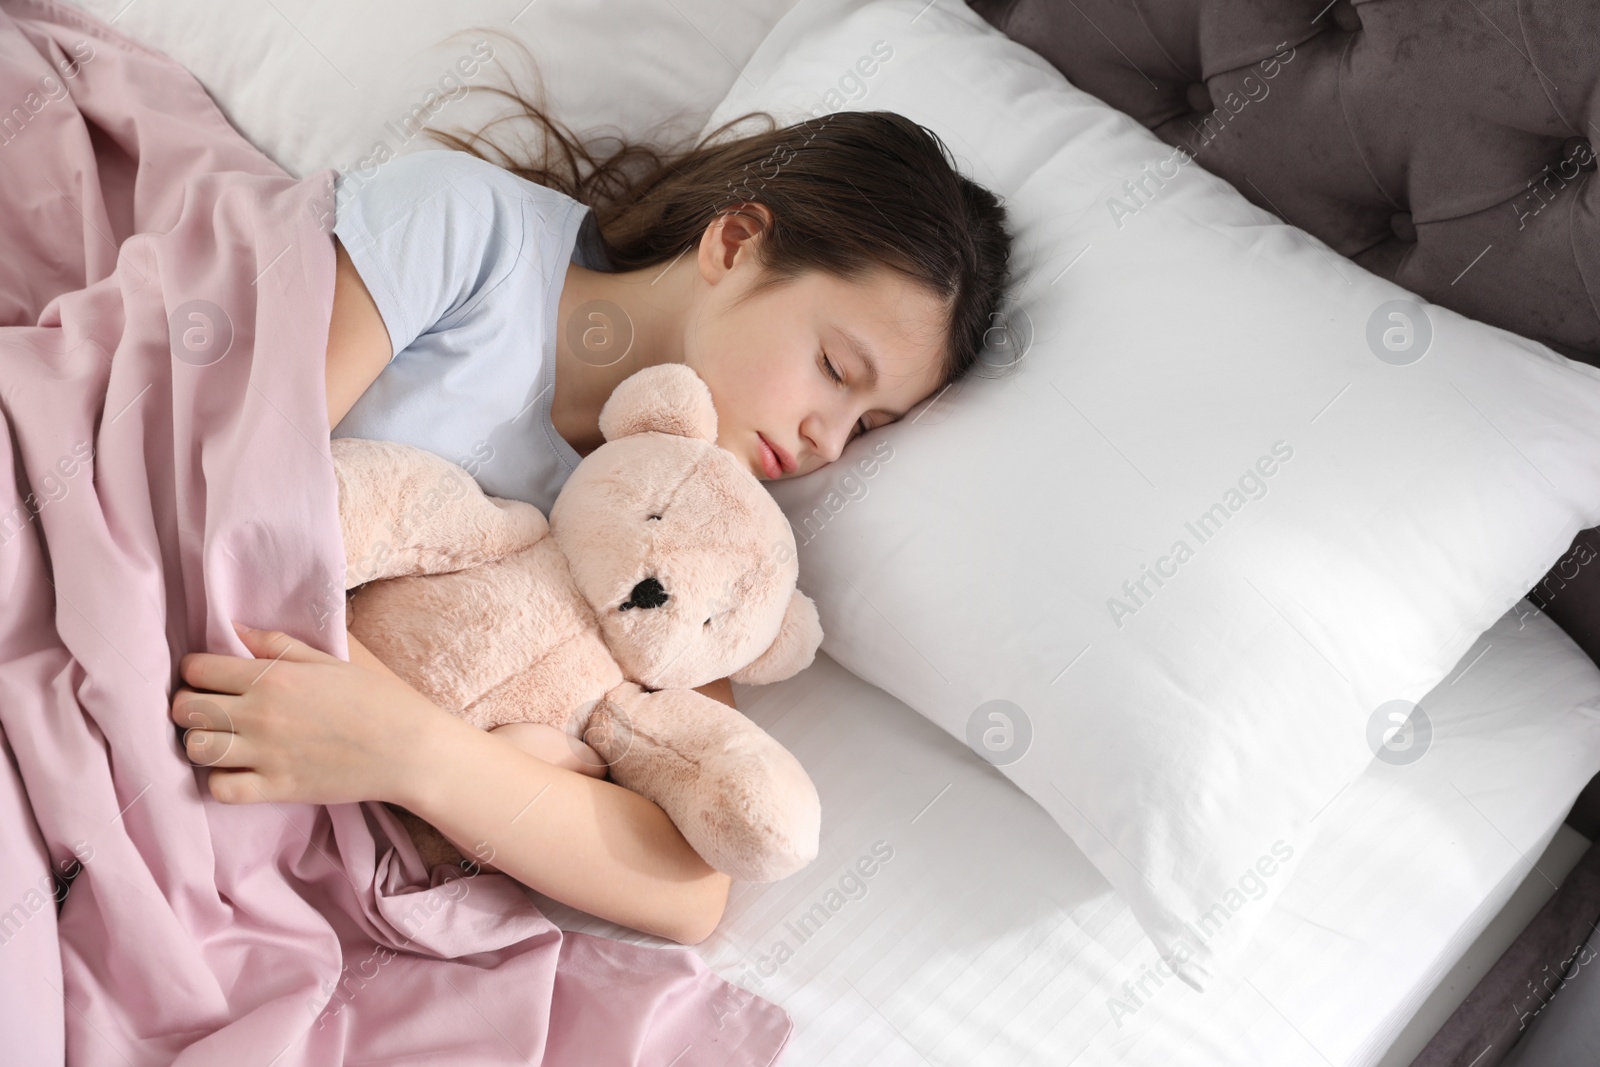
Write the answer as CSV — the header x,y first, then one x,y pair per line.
x,y
668,398
792,650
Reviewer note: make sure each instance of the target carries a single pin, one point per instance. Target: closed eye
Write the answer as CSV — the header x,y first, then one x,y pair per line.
x,y
835,375
860,427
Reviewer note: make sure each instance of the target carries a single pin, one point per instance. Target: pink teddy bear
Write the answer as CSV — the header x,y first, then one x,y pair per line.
x,y
664,565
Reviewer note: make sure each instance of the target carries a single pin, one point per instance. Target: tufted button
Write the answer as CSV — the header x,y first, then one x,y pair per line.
x,y
1199,97
1577,150
1404,229
1346,16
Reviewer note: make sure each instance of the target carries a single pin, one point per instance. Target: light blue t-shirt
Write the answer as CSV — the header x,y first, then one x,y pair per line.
x,y
466,262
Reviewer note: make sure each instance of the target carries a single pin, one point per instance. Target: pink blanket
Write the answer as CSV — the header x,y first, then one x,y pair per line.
x,y
165,293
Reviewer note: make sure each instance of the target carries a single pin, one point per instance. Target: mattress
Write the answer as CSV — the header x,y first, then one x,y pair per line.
x,y
948,920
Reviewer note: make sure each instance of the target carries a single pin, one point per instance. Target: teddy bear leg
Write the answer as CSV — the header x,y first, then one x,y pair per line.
x,y
740,799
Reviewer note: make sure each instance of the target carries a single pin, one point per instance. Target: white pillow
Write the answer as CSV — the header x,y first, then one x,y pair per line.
x,y
348,84
1380,489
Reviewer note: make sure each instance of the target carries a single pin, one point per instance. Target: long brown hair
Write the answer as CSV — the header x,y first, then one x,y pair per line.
x,y
848,192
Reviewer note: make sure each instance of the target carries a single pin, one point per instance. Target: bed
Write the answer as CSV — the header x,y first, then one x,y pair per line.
x,y
948,919
1451,150
987,938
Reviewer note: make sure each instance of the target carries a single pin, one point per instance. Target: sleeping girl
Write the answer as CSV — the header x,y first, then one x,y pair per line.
x,y
821,278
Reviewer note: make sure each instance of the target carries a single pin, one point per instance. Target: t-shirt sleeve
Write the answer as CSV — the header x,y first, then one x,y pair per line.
x,y
431,234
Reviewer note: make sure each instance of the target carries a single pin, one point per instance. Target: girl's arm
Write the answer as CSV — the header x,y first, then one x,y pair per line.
x,y
721,689
358,341
546,742
583,841
554,747
295,724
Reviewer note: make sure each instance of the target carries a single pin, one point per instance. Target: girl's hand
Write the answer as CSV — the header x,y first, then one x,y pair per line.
x,y
553,746
297,725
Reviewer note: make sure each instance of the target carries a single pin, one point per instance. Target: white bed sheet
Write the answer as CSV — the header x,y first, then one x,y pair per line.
x,y
987,938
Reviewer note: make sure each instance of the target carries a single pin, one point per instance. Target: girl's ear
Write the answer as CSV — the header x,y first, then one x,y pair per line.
x,y
667,398
792,650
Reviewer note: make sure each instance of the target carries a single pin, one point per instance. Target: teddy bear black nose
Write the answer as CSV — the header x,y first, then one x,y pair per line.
x,y
647,594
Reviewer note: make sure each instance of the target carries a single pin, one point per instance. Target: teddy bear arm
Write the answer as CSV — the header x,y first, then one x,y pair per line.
x,y
740,799
404,511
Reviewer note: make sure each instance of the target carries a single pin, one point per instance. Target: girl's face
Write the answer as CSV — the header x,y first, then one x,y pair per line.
x,y
770,359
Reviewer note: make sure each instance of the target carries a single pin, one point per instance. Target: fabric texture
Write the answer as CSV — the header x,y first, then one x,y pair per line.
x,y
165,292
466,262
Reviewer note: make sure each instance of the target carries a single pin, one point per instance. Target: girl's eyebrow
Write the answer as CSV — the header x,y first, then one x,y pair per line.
x,y
863,352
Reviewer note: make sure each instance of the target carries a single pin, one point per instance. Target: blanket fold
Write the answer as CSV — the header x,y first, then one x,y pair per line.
x,y
165,293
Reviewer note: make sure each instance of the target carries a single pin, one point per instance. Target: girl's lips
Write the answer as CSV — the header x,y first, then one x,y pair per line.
x,y
769,459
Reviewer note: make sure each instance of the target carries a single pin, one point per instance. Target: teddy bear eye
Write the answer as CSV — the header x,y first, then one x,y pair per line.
x,y
708,623
655,516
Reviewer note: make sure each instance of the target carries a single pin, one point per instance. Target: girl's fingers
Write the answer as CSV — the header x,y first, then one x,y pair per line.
x,y
274,644
219,673
239,786
235,674
215,748
200,711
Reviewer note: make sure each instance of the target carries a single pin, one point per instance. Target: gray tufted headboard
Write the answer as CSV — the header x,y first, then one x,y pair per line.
x,y
1444,144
